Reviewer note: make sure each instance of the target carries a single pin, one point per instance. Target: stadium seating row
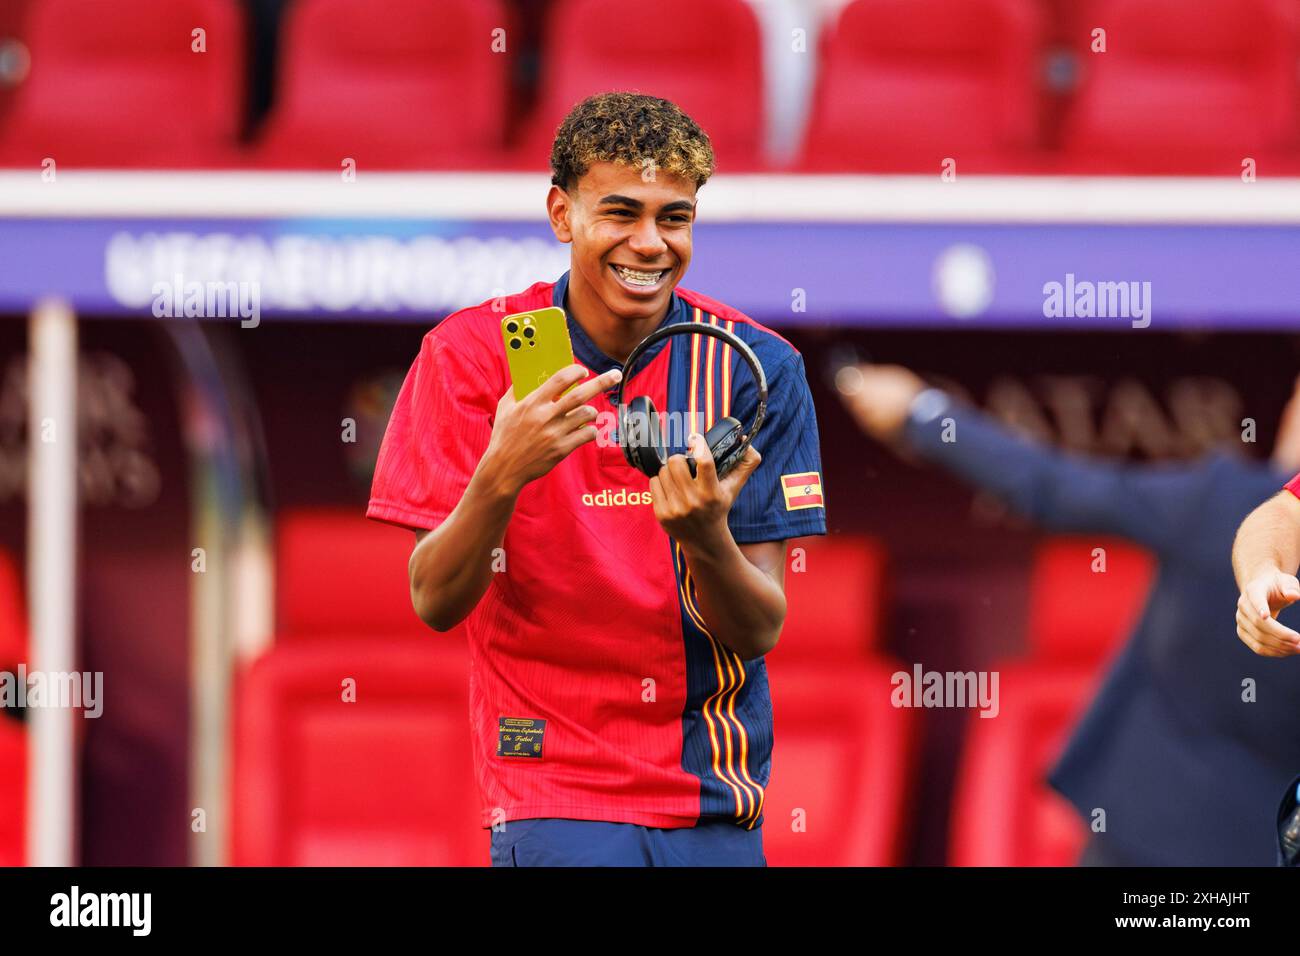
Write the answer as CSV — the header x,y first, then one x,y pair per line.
x,y
901,85
312,785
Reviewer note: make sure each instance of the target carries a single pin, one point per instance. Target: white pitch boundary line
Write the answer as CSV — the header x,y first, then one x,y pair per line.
x,y
226,194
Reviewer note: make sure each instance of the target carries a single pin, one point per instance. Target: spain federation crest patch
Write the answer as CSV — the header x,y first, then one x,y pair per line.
x,y
803,490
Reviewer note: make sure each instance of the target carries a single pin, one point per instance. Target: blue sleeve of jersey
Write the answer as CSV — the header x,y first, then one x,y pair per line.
x,y
789,445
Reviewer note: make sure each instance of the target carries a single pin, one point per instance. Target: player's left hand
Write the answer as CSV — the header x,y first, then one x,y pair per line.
x,y
694,510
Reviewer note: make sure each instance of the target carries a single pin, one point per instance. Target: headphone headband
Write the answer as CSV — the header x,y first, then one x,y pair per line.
x,y
698,328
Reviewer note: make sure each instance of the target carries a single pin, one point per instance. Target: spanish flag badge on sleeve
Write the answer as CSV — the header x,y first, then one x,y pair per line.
x,y
803,490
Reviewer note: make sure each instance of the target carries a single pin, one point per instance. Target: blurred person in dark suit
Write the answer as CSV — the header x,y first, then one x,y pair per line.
x,y
1187,770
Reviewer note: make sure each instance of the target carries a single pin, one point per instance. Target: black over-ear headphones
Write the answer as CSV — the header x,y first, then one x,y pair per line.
x,y
639,431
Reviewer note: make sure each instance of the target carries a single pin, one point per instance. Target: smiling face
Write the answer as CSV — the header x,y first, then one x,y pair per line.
x,y
631,238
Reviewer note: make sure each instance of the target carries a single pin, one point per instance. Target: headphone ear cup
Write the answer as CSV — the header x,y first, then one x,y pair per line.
x,y
723,440
642,443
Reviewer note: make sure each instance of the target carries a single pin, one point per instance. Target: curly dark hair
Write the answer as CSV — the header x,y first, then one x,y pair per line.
x,y
634,130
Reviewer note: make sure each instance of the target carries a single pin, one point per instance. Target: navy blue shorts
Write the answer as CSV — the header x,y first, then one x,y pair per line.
x,y
558,842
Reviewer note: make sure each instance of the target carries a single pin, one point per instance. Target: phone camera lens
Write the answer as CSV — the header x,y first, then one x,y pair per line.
x,y
528,333
516,343
512,326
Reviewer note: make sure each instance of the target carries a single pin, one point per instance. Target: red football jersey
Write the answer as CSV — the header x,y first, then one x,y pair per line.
x,y
596,691
1293,486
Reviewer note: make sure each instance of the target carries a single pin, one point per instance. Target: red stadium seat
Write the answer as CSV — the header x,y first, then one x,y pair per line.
x,y
409,85
13,792
119,84
1079,615
840,745
835,598
385,780
13,614
842,760
13,52
340,574
13,735
1003,812
708,62
1179,91
905,84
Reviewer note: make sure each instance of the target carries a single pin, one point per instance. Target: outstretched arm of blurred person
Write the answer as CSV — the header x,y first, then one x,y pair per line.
x,y
1151,505
1265,557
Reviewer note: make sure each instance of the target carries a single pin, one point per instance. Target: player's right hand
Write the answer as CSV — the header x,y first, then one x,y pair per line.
x,y
532,436
1257,609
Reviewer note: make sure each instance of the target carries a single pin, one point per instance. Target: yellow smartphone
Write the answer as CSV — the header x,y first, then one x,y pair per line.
x,y
537,346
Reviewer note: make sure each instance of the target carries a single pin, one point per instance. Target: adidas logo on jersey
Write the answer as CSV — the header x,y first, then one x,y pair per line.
x,y
609,498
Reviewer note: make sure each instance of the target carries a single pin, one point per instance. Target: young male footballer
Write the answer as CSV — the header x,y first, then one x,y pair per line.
x,y
616,622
